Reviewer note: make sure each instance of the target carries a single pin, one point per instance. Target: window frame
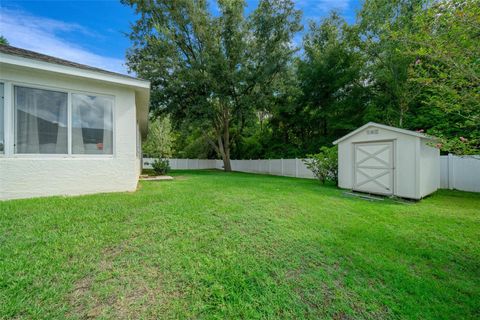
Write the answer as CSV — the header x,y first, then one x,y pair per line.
x,y
14,123
70,125
7,115
2,153
10,136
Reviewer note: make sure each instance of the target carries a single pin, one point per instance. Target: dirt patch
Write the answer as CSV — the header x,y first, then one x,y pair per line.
x,y
133,301
76,298
321,301
81,288
120,288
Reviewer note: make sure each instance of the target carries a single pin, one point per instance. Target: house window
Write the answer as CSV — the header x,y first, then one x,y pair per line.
x,y
41,121
92,124
2,120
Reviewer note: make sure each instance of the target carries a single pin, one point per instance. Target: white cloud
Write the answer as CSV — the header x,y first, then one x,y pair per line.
x,y
322,6
328,5
40,34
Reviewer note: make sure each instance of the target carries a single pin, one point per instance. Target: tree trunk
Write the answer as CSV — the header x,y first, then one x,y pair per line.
x,y
223,140
224,150
227,166
402,115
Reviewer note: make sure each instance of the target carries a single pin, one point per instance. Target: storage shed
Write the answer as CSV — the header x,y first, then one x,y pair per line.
x,y
385,160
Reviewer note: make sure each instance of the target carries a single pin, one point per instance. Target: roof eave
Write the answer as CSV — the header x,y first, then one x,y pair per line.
x,y
141,87
382,126
72,71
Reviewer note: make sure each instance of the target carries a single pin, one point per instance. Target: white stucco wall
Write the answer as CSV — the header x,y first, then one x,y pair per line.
x,y
23,176
405,154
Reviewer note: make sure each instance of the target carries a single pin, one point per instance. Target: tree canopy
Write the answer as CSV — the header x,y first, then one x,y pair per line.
x,y
238,85
3,40
212,72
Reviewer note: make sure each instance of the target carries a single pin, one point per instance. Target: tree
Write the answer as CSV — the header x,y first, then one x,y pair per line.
x,y
445,47
393,95
160,139
3,40
324,164
213,72
330,78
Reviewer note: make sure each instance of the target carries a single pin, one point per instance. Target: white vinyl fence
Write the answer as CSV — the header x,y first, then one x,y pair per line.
x,y
186,164
280,167
461,173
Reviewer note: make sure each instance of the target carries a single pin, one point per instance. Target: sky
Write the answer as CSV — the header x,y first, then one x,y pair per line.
x,y
93,32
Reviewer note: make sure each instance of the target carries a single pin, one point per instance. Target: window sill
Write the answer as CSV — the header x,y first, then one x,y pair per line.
x,y
57,157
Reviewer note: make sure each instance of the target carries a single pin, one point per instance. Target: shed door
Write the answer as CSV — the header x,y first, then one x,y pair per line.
x,y
373,167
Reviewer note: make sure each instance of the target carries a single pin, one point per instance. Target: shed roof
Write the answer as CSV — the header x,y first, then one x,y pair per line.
x,y
382,126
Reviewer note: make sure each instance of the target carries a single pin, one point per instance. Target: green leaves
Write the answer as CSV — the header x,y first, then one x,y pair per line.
x,y
330,78
232,81
448,69
160,139
324,164
3,40
213,72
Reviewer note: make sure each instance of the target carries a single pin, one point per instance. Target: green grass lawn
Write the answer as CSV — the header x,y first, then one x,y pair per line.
x,y
216,245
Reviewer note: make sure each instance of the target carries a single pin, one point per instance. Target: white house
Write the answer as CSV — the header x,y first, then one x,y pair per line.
x,y
67,128
386,160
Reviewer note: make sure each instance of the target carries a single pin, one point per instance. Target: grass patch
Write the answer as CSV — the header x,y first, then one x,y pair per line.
x,y
219,245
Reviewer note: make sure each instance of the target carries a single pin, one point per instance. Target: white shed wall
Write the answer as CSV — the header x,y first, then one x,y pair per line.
x,y
430,168
405,164
23,176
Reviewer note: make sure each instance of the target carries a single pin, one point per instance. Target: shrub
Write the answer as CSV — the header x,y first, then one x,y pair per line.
x,y
161,166
324,164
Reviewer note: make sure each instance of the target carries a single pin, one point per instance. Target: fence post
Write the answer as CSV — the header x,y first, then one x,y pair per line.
x,y
281,162
296,168
451,172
